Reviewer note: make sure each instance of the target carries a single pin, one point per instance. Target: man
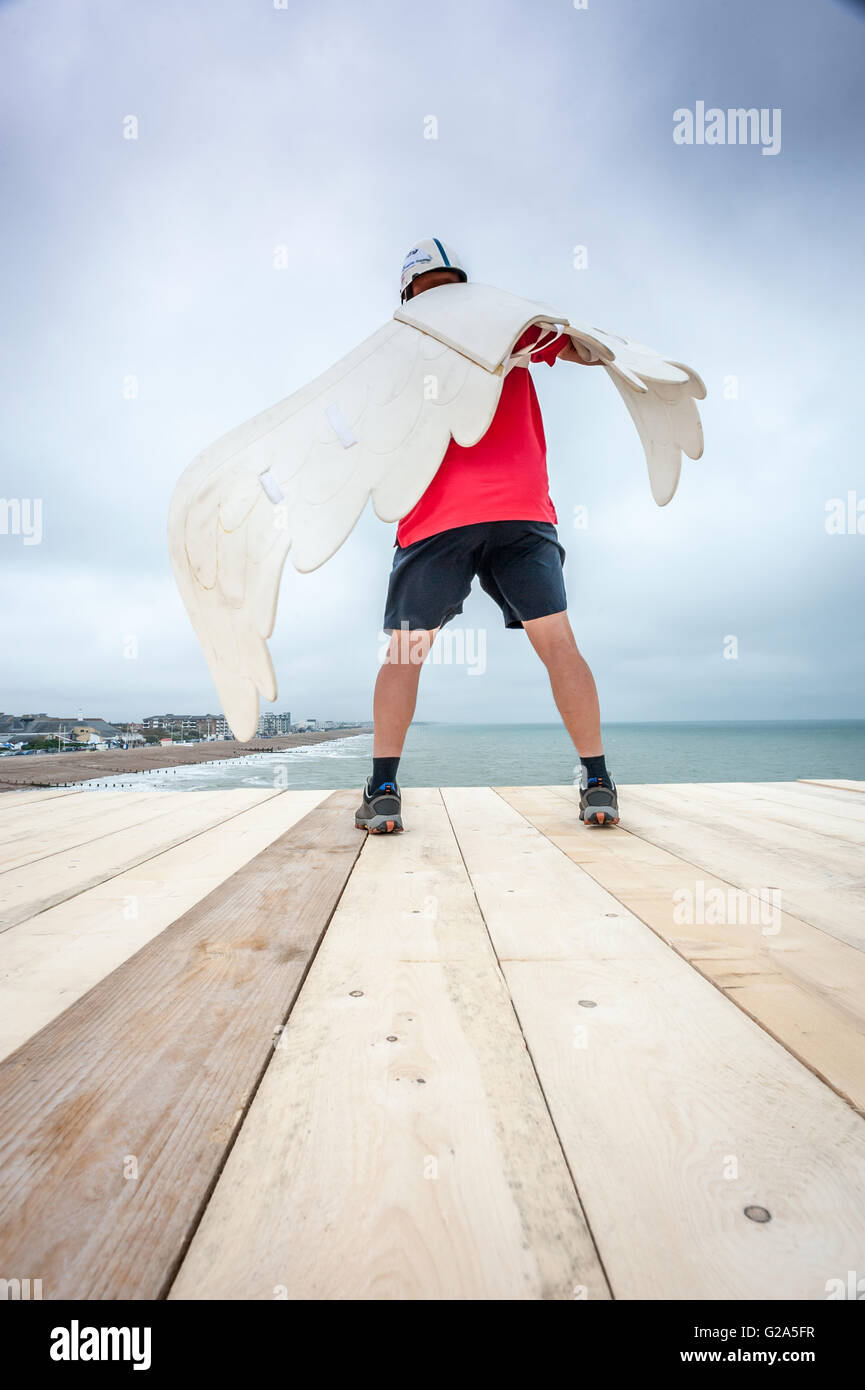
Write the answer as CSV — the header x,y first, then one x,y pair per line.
x,y
486,513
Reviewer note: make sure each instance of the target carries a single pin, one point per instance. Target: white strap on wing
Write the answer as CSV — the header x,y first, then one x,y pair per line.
x,y
343,429
524,357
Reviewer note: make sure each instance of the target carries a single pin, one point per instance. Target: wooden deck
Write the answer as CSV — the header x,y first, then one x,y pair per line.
x,y
250,1054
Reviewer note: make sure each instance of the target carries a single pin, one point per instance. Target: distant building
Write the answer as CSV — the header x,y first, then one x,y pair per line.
x,y
85,733
269,725
201,725
22,728
130,738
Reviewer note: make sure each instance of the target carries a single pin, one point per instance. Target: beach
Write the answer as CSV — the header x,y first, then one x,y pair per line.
x,y
59,769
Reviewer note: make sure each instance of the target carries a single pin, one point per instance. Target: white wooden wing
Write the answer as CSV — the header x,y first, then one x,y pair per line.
x,y
660,395
661,400
297,477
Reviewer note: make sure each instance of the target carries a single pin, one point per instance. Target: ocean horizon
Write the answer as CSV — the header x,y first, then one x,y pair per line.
x,y
440,754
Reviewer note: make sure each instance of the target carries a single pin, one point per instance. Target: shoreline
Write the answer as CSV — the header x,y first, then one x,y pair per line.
x,y
60,769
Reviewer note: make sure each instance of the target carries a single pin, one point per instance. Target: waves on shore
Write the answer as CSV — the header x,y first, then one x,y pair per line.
x,y
308,765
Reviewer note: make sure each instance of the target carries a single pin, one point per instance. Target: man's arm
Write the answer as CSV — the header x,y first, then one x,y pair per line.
x,y
571,353
551,350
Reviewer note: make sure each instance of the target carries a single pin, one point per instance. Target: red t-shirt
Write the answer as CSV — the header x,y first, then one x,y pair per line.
x,y
501,478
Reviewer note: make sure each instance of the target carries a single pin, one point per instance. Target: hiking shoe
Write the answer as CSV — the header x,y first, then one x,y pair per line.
x,y
598,801
380,811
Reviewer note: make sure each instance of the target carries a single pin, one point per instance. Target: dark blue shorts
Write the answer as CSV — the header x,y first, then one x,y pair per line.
x,y
519,564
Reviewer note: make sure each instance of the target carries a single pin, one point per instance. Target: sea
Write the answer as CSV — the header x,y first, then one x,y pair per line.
x,y
459,755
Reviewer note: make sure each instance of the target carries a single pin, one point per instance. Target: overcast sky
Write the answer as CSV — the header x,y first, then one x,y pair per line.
x,y
303,127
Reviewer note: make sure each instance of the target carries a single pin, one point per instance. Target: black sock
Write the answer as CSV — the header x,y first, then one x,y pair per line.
x,y
595,767
383,770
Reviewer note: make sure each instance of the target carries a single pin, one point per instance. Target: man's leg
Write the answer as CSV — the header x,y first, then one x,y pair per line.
x,y
394,703
396,690
572,682
576,697
429,581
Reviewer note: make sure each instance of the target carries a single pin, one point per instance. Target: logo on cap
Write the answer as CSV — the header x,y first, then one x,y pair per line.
x,y
415,257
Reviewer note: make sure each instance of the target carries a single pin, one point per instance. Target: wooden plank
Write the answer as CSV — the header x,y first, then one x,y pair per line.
x,y
50,829
59,803
399,1146
14,800
832,815
842,783
804,987
48,962
33,888
60,806
155,1068
675,1110
836,807
818,875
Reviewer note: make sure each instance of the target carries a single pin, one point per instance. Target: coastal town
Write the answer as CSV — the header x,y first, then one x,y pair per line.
x,y
22,734
41,750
